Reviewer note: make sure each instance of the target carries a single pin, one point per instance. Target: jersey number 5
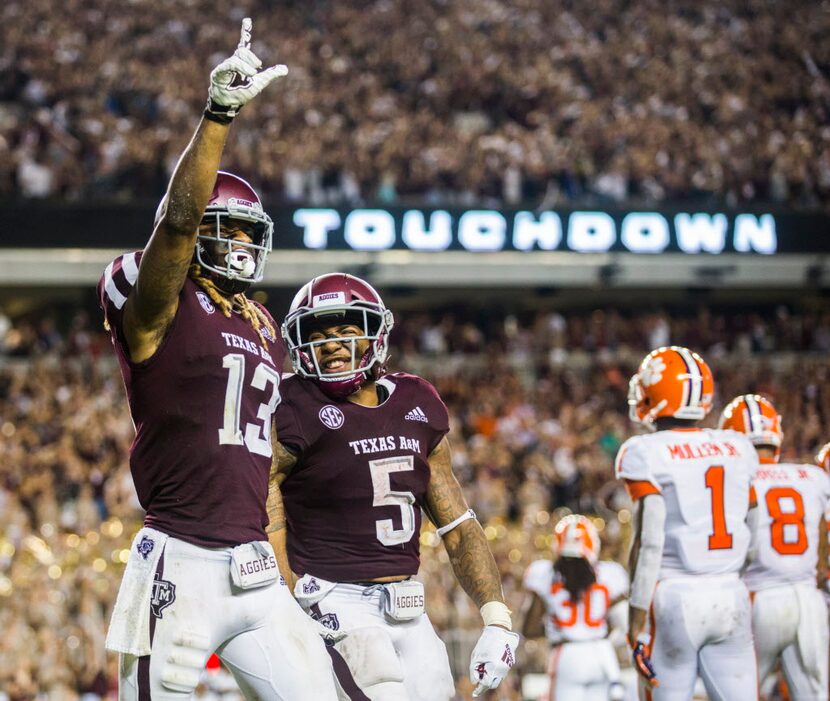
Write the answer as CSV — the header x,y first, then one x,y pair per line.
x,y
384,495
257,437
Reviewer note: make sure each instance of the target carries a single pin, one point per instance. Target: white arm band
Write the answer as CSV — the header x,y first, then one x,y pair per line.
x,y
468,514
652,535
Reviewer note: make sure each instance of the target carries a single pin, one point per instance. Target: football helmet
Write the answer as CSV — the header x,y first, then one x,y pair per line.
x,y
823,457
239,265
334,299
576,536
671,381
755,416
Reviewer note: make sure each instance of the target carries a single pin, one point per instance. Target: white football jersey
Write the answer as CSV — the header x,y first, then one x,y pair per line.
x,y
585,620
704,476
792,500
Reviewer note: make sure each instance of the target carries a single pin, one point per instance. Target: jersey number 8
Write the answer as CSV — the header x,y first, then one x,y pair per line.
x,y
781,519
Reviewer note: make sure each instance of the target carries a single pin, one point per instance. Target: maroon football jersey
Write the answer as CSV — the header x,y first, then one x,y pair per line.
x,y
353,501
202,409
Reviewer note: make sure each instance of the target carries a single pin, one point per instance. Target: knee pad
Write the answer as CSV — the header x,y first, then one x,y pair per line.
x,y
184,664
373,661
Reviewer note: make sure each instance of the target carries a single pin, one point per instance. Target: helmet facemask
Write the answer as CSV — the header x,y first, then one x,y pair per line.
x,y
638,404
235,264
374,321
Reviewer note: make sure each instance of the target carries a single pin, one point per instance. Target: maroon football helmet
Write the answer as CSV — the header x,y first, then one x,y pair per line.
x,y
330,300
233,198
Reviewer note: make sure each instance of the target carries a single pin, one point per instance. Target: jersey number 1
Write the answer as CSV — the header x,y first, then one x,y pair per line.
x,y
720,538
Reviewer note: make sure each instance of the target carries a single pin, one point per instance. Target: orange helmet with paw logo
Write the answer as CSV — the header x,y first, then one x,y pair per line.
x,y
576,536
823,457
755,416
671,381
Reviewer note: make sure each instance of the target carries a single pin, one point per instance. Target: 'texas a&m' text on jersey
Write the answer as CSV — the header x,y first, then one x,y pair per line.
x,y
202,407
353,500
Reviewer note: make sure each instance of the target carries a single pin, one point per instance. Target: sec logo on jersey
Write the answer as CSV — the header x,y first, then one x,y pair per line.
x,y
205,301
331,416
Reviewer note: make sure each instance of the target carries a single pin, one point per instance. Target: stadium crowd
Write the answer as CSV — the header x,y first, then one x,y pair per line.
x,y
538,411
455,102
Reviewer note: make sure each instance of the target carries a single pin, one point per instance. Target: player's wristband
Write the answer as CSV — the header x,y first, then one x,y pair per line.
x,y
221,114
495,613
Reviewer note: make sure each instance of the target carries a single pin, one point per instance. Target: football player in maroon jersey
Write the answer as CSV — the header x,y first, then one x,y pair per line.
x,y
359,454
201,366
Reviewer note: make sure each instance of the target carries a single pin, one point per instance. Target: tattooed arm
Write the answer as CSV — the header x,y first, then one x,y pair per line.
x,y
153,302
475,568
466,544
154,299
281,465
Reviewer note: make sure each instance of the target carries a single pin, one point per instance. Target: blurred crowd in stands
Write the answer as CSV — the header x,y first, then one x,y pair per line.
x,y
471,101
538,410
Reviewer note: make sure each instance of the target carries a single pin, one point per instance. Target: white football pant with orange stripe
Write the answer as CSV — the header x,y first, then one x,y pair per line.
x,y
790,622
702,626
582,671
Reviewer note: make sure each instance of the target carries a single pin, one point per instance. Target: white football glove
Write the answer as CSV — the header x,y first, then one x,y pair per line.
x,y
238,79
492,658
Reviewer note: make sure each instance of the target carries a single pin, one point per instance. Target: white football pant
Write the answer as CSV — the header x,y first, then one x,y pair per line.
x,y
383,660
262,635
702,626
582,671
790,623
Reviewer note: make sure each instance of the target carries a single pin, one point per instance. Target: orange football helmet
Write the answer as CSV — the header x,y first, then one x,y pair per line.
x,y
671,381
823,457
755,416
576,536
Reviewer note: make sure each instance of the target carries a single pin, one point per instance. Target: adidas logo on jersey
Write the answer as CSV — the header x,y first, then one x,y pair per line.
x,y
416,415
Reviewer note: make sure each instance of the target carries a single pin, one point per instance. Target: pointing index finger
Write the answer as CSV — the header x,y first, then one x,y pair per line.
x,y
245,34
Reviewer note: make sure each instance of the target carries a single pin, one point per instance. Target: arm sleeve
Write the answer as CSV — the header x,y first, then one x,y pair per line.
x,y
752,525
650,555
